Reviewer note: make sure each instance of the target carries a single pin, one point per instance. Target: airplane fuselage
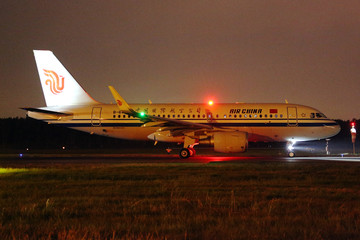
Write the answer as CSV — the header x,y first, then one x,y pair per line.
x,y
262,121
227,127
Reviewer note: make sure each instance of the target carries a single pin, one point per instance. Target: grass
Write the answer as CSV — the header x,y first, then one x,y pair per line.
x,y
182,201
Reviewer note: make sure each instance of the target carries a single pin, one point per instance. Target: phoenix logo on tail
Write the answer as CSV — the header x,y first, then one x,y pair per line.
x,y
55,81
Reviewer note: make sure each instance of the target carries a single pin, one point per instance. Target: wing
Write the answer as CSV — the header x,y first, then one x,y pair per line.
x,y
176,127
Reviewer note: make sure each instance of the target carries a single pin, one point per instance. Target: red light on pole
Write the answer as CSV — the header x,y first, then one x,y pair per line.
x,y
353,135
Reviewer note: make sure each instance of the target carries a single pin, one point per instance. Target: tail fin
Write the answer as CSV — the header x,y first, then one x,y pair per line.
x,y
59,87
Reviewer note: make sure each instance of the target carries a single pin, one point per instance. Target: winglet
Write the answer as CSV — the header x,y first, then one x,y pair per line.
x,y
123,106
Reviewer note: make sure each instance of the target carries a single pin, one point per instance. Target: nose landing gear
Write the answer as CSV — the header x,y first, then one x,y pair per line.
x,y
290,148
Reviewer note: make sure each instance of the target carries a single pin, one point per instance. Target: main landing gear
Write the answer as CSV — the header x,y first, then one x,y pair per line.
x,y
187,152
188,149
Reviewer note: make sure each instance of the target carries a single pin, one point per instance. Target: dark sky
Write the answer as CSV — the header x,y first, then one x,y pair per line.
x,y
307,52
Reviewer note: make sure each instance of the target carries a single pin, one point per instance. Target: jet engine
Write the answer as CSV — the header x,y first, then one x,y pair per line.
x,y
230,142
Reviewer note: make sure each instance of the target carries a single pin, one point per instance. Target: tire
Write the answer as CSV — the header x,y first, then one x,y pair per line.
x,y
184,153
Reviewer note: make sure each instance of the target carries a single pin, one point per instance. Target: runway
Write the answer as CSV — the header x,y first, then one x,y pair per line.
x,y
46,160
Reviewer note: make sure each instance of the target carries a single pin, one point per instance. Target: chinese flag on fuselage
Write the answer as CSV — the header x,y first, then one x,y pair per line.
x,y
273,111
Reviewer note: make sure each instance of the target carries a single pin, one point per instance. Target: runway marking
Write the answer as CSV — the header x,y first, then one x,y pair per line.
x,y
340,159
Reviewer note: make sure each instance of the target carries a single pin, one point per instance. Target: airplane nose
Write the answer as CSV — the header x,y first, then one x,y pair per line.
x,y
335,129
338,129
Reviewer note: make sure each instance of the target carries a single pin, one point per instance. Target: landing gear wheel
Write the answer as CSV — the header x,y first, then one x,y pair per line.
x,y
184,153
291,154
192,151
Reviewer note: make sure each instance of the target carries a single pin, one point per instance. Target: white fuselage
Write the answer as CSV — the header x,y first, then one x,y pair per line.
x,y
262,121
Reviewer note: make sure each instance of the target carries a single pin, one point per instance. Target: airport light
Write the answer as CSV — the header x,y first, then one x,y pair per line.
x,y
353,135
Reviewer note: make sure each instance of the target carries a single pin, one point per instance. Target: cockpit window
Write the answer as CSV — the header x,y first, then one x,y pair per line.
x,y
320,115
317,115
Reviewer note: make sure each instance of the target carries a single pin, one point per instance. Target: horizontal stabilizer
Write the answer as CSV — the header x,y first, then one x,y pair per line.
x,y
39,110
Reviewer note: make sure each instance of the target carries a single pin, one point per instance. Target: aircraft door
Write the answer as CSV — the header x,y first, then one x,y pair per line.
x,y
292,116
96,117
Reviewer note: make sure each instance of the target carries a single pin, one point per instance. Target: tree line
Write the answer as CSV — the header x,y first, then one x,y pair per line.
x,y
27,133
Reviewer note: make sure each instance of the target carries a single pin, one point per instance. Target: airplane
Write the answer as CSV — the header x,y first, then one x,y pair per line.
x,y
228,127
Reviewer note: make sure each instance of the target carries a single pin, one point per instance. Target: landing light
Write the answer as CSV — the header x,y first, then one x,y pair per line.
x,y
211,102
291,144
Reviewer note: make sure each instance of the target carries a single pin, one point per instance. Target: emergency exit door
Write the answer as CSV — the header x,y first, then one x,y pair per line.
x,y
96,116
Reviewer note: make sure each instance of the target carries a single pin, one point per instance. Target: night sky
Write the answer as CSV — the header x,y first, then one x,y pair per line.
x,y
307,52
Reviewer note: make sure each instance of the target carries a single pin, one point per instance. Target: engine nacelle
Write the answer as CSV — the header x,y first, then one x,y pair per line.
x,y
165,136
230,142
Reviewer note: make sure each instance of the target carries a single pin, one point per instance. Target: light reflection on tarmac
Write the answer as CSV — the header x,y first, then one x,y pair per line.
x,y
51,160
339,159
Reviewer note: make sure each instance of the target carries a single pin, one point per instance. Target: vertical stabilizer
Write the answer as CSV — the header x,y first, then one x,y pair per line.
x,y
58,85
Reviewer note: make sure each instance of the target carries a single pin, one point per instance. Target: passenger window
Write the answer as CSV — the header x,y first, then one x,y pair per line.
x,y
235,116
225,116
312,115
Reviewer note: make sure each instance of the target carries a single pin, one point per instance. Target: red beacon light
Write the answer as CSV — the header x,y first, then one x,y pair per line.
x,y
352,124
